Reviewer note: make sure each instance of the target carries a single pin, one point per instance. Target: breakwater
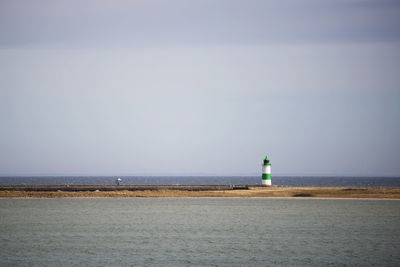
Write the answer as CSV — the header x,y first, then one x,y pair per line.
x,y
80,188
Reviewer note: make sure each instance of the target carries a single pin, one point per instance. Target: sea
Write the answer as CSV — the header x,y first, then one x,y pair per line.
x,y
283,181
199,232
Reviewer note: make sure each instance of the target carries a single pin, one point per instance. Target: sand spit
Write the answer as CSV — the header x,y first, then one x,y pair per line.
x,y
200,191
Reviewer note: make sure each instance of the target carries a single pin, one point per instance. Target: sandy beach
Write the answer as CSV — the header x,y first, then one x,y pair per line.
x,y
305,192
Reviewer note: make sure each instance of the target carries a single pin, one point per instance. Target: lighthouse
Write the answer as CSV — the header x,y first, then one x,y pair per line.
x,y
266,173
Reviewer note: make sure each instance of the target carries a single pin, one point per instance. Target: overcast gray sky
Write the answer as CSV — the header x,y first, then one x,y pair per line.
x,y
199,87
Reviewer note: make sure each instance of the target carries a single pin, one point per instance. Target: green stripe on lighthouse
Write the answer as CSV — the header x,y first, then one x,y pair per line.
x,y
266,176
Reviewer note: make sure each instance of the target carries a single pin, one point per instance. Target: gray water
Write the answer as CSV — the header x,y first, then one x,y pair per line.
x,y
199,231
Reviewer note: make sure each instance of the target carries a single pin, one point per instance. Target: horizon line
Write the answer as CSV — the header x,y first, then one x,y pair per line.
x,y
198,175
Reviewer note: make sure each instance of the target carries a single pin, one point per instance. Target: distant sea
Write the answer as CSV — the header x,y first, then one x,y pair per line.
x,y
289,181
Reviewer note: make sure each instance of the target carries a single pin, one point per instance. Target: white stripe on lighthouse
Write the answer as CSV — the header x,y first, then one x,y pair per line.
x,y
266,169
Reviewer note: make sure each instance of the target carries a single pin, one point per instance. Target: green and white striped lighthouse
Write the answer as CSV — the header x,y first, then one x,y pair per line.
x,y
266,173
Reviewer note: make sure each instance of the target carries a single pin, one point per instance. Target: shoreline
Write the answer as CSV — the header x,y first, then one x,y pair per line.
x,y
207,197
204,191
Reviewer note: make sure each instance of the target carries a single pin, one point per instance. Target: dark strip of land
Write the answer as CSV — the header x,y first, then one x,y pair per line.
x,y
123,191
79,188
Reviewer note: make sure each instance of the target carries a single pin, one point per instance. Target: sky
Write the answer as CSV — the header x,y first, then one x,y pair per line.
x,y
199,87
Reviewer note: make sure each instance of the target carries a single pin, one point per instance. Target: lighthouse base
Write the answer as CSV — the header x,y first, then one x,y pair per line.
x,y
266,182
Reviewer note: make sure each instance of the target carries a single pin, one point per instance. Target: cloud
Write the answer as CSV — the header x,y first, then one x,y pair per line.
x,y
125,23
108,111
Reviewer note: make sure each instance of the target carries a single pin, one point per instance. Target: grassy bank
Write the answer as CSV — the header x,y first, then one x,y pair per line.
x,y
324,192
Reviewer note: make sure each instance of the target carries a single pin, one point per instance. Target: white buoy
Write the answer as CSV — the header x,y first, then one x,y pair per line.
x,y
118,181
266,173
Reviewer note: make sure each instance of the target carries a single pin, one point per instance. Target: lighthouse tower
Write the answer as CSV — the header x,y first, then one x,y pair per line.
x,y
266,173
